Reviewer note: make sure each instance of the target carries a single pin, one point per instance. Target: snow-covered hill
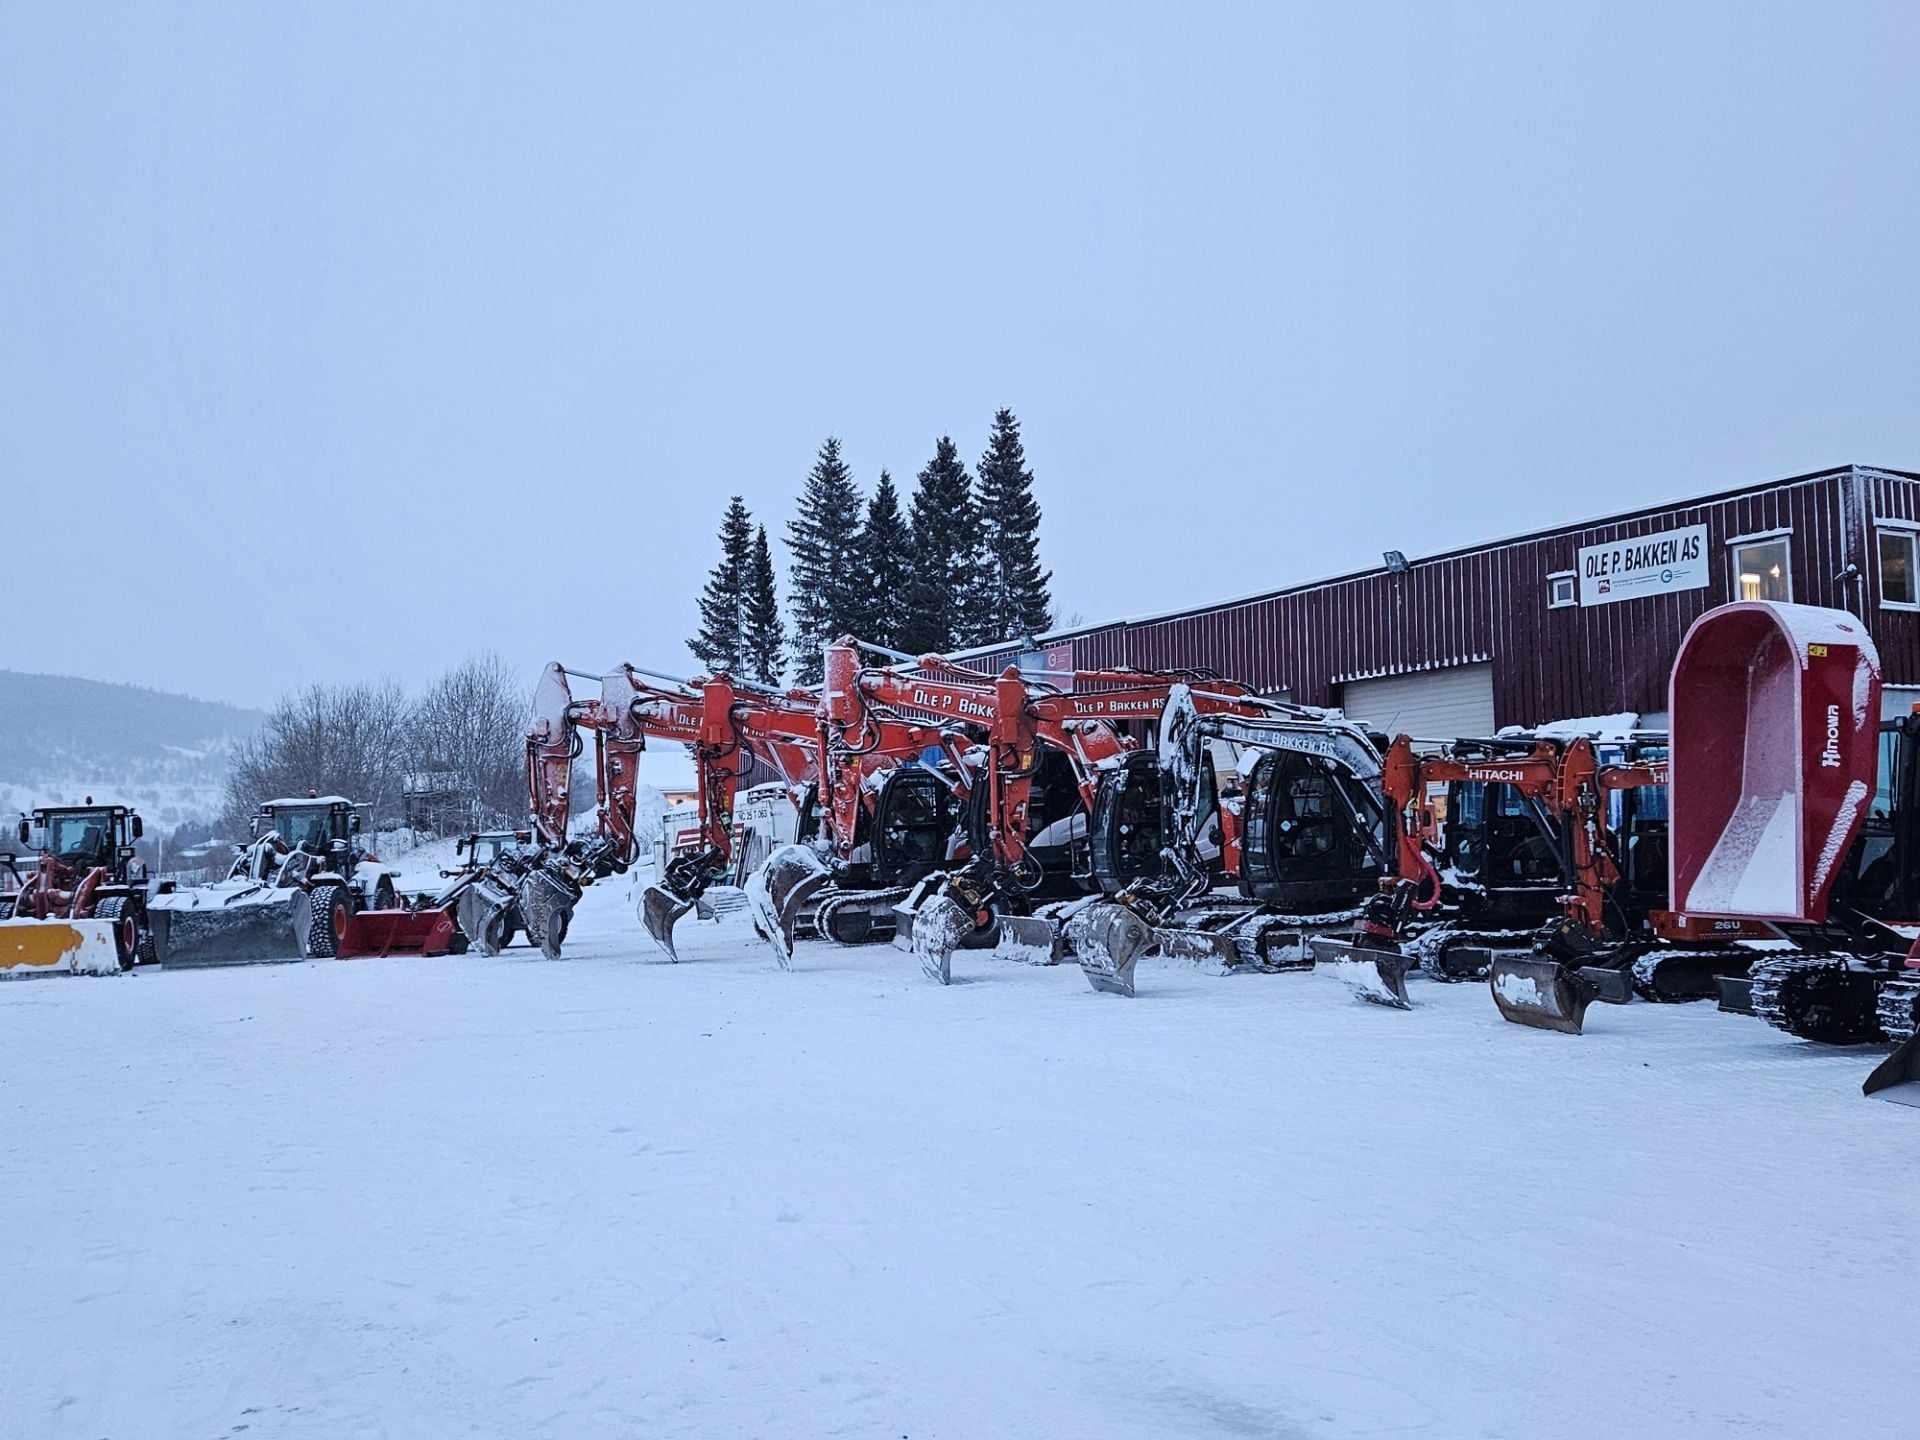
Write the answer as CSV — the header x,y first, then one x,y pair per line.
x,y
62,739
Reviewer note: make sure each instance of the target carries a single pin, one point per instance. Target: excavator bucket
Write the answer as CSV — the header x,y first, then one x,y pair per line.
x,y
485,913
396,932
1108,940
780,891
939,928
546,908
57,947
1377,976
1540,992
1775,712
660,911
227,924
907,911
1897,1078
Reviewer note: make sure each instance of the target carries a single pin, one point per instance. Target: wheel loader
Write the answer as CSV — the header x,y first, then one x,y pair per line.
x,y
80,905
304,888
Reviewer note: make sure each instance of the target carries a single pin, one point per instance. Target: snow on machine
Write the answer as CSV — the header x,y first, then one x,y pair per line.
x,y
81,906
304,888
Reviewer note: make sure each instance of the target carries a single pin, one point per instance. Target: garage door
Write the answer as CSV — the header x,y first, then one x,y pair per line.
x,y
1434,704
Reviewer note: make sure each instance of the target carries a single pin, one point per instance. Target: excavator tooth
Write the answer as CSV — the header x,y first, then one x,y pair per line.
x,y
1377,976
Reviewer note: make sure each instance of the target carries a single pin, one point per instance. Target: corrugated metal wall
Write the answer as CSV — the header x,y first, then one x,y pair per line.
x,y
1490,604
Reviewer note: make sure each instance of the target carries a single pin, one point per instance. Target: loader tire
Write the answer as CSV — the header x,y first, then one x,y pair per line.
x,y
6,909
327,909
126,929
384,896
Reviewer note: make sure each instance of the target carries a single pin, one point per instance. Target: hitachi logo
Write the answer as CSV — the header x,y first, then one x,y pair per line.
x,y
1830,757
1506,777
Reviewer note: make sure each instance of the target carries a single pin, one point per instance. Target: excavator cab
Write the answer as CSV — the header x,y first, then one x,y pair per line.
x,y
910,826
1124,831
1881,874
1503,851
1307,845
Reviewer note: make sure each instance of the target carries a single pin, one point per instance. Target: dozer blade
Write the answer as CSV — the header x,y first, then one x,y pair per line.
x,y
1377,976
908,910
1736,994
938,929
1108,941
1897,1078
1213,951
57,947
660,911
396,932
1030,940
1533,990
256,927
779,892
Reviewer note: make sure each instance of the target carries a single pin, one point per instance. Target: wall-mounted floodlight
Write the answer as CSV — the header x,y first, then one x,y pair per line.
x,y
1396,562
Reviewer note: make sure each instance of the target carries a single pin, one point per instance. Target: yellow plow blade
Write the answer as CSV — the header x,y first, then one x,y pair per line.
x,y
57,947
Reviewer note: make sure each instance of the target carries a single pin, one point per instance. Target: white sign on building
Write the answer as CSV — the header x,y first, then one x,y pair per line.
x,y
1643,565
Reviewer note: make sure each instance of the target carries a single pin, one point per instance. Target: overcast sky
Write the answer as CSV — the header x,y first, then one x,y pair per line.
x,y
346,341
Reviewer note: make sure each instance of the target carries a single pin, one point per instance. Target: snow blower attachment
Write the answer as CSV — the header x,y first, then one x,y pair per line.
x,y
1776,712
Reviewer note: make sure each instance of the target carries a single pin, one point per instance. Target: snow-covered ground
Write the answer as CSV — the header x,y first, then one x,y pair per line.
x,y
612,1196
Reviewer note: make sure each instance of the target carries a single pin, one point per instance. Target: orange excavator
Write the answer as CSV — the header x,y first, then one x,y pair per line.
x,y
1036,776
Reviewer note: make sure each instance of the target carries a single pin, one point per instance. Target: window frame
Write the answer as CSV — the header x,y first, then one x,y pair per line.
x,y
1782,538
1572,581
1909,530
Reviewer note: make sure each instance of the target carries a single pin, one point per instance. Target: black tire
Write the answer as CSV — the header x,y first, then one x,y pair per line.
x,y
384,896
325,907
126,929
556,934
6,909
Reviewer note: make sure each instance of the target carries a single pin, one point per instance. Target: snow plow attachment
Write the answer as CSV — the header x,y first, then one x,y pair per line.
x,y
395,932
220,925
1543,993
660,911
59,947
1108,940
780,891
1897,1078
1377,976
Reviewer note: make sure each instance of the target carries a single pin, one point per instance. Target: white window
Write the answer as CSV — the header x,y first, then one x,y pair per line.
x,y
1895,550
1761,570
1561,591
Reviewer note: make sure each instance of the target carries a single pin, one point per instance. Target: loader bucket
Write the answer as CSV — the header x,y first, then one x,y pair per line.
x,y
205,926
780,890
485,912
1377,976
57,947
1897,1078
660,911
396,932
1109,940
1541,992
1775,711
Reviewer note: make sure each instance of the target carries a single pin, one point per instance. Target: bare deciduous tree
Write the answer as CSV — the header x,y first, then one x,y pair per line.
x,y
350,740
472,725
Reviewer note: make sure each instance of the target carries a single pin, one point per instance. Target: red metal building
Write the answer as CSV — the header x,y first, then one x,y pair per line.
x,y
1574,621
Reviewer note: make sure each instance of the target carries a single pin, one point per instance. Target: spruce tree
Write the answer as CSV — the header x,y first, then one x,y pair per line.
x,y
824,588
946,550
764,638
1020,592
886,561
721,641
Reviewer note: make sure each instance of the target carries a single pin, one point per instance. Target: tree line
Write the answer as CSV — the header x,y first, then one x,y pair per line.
x,y
363,741
958,565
